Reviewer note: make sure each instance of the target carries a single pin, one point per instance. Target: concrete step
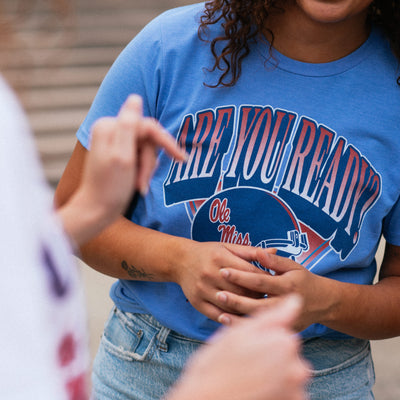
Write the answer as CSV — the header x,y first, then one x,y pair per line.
x,y
50,98
60,57
52,147
54,77
90,19
52,121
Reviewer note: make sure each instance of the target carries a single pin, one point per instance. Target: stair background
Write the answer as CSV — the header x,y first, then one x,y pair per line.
x,y
56,66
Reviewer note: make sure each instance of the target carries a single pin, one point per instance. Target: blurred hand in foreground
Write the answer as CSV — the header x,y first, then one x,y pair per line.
x,y
256,359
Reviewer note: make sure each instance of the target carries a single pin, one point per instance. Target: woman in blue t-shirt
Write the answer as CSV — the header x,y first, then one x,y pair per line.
x,y
288,110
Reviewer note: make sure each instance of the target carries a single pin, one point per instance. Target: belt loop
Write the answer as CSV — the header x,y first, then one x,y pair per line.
x,y
162,337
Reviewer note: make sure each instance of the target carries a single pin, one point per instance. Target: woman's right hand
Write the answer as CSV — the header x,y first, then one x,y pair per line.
x,y
198,274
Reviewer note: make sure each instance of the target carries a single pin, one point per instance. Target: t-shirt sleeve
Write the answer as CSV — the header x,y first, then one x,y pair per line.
x,y
391,225
135,71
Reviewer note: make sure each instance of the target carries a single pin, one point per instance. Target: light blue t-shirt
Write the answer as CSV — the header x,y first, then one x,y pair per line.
x,y
300,157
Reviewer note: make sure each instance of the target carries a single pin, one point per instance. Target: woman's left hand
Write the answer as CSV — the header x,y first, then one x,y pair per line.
x,y
290,277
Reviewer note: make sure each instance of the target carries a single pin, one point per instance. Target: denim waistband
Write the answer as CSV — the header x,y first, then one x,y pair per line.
x,y
152,322
329,355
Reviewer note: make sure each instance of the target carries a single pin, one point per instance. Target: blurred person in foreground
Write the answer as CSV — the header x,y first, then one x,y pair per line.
x,y
44,349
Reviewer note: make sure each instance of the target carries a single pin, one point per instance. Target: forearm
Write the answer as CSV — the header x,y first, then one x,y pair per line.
x,y
363,311
128,251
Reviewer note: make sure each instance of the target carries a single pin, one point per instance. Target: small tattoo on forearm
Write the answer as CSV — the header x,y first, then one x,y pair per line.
x,y
136,273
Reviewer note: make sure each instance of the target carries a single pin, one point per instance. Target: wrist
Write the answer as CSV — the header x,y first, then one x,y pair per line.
x,y
330,301
179,257
82,218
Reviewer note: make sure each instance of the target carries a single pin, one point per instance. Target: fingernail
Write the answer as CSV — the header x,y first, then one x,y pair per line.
x,y
135,98
185,156
221,296
224,272
224,320
144,190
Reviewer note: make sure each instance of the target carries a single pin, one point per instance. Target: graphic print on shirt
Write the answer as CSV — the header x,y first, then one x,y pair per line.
x,y
267,177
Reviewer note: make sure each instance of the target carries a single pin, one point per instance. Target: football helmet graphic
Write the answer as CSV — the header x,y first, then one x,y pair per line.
x,y
250,216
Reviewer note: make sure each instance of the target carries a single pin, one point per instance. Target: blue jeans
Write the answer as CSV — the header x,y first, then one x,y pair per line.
x,y
342,369
138,358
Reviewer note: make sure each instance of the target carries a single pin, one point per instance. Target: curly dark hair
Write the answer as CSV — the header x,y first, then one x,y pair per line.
x,y
244,20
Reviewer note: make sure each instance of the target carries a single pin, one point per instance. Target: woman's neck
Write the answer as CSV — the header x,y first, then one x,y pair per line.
x,y
302,38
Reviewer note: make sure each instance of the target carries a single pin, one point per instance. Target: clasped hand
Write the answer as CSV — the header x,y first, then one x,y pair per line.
x,y
222,283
